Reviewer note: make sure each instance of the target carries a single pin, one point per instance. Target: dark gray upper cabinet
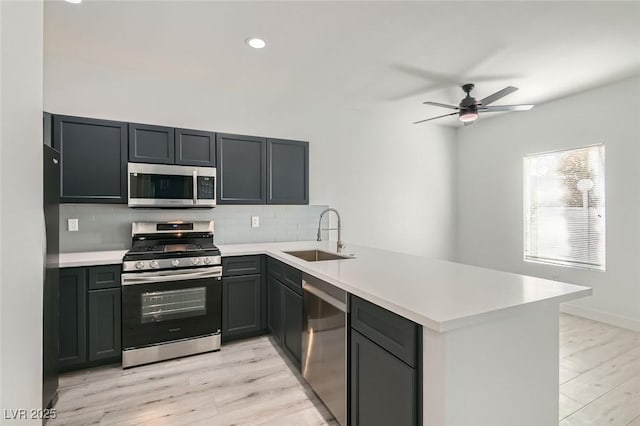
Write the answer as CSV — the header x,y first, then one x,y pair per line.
x,y
195,148
47,128
242,169
287,172
94,159
250,169
151,144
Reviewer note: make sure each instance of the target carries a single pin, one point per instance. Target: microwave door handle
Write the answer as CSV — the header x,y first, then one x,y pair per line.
x,y
195,187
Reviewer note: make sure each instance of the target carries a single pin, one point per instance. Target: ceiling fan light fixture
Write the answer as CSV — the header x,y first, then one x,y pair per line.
x,y
468,116
468,108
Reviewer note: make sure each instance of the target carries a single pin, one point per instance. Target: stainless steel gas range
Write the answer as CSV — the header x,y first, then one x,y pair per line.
x,y
171,292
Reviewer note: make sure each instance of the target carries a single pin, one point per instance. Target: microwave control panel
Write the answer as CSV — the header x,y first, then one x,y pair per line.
x,y
206,188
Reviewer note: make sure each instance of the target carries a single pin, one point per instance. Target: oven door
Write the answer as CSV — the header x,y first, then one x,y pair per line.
x,y
164,306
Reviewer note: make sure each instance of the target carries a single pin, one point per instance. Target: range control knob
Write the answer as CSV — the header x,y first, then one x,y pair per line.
x,y
175,262
153,264
139,265
207,261
195,261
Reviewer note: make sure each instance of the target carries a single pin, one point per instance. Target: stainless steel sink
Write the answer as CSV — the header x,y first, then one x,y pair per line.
x,y
317,255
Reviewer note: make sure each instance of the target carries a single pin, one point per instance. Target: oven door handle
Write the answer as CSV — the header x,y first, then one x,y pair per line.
x,y
160,277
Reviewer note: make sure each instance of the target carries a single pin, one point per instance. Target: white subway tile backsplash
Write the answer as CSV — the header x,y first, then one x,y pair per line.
x,y
108,226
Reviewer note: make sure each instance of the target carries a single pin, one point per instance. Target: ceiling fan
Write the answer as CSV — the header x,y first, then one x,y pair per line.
x,y
469,108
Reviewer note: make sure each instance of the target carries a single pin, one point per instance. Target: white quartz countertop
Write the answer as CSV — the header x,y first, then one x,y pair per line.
x,y
437,294
91,258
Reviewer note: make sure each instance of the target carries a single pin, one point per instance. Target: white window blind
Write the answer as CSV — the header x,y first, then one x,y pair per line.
x,y
564,208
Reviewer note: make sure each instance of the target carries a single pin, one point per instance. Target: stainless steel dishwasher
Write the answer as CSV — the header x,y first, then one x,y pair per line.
x,y
324,344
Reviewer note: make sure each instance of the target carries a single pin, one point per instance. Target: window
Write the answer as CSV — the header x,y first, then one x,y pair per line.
x,y
564,208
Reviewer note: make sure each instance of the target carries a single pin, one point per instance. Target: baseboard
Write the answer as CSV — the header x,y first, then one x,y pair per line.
x,y
605,317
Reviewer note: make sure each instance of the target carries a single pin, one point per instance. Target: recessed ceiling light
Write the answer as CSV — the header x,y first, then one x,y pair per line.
x,y
74,1
256,43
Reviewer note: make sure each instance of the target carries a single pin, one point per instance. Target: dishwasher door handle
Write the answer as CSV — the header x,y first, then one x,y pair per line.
x,y
333,301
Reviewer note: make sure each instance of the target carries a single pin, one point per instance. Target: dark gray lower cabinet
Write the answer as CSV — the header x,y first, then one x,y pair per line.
x,y
384,389
89,320
104,324
241,306
292,323
274,307
284,301
72,343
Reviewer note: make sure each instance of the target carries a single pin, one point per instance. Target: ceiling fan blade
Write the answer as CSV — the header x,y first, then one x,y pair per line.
x,y
441,105
498,108
499,94
423,90
426,74
434,118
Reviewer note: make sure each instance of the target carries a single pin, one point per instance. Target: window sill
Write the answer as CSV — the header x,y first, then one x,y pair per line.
x,y
565,264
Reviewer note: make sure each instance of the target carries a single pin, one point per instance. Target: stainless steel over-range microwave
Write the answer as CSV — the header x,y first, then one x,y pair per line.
x,y
162,185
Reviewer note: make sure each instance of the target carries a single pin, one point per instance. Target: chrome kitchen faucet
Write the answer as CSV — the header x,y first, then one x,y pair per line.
x,y
340,244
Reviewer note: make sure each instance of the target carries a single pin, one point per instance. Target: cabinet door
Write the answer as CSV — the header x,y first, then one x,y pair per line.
x,y
195,148
242,169
383,388
241,305
287,172
73,317
94,159
292,324
274,308
104,324
151,144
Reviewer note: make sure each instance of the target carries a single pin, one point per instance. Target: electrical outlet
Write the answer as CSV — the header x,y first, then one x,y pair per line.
x,y
255,221
72,225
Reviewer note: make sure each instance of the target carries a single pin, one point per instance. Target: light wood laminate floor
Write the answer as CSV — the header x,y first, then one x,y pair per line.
x,y
599,374
250,383
246,383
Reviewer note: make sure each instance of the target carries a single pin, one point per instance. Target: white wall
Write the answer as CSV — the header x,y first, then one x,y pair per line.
x,y
391,181
490,186
21,206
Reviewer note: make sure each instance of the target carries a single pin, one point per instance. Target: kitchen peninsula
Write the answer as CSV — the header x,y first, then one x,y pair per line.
x,y
489,338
